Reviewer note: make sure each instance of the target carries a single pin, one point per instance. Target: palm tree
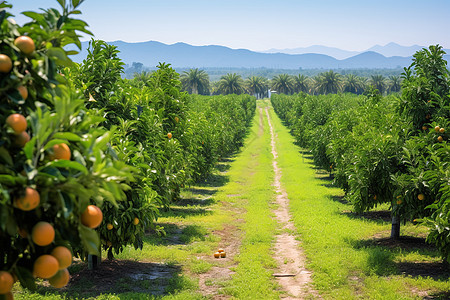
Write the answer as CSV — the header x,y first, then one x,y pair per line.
x,y
195,81
328,82
301,83
395,84
283,84
231,83
352,84
257,85
378,82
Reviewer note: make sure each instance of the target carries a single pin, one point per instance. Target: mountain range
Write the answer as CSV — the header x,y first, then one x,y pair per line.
x,y
182,55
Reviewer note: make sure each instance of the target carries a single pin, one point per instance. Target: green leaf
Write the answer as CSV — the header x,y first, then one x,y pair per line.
x,y
67,136
7,179
29,147
5,157
89,239
26,278
62,163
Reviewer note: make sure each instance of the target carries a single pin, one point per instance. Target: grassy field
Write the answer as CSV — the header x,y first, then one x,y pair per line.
x,y
349,254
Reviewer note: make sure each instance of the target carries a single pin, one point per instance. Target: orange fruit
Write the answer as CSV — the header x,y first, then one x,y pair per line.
x,y
442,130
216,255
45,266
60,151
25,44
22,139
63,256
177,119
92,216
437,128
399,202
5,63
223,254
440,139
220,250
29,201
109,226
60,279
6,282
9,296
420,197
43,233
136,221
169,135
424,127
17,122
23,91
374,197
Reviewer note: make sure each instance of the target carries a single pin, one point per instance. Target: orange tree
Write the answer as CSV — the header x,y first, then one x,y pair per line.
x,y
54,164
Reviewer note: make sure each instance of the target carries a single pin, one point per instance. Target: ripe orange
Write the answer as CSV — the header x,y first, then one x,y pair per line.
x,y
92,216
169,135
43,233
17,122
424,127
23,91
442,130
223,254
440,139
6,282
60,151
5,63
216,255
22,139
399,201
45,266
177,119
63,256
29,201
136,221
109,226
437,128
25,44
375,197
220,250
60,279
420,197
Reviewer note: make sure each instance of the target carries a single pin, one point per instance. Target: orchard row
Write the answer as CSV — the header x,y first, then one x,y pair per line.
x,y
86,158
391,149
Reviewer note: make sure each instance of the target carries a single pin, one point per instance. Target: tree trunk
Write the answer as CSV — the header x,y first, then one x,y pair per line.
x,y
395,229
94,261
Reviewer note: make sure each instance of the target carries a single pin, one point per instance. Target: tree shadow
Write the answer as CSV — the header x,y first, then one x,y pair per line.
x,y
195,202
185,212
176,235
118,277
382,257
340,199
379,216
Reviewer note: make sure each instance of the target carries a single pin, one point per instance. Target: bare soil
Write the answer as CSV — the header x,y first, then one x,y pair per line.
x,y
291,274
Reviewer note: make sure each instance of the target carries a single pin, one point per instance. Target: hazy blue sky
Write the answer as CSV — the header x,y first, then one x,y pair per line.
x,y
263,24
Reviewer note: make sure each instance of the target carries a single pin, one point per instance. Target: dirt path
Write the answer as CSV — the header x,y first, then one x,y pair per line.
x,y
291,274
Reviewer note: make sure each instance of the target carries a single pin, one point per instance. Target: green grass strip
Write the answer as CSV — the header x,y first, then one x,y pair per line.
x,y
252,177
337,244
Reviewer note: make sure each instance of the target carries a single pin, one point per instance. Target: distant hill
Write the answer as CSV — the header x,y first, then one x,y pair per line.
x,y
182,55
388,50
330,51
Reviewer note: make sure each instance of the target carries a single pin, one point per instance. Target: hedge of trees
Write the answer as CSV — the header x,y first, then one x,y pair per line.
x,y
196,81
391,149
88,158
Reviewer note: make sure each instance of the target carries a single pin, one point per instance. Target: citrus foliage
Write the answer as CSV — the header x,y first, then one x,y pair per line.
x,y
390,149
171,138
44,190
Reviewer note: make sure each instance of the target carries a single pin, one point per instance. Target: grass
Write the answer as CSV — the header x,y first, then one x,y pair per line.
x,y
346,264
